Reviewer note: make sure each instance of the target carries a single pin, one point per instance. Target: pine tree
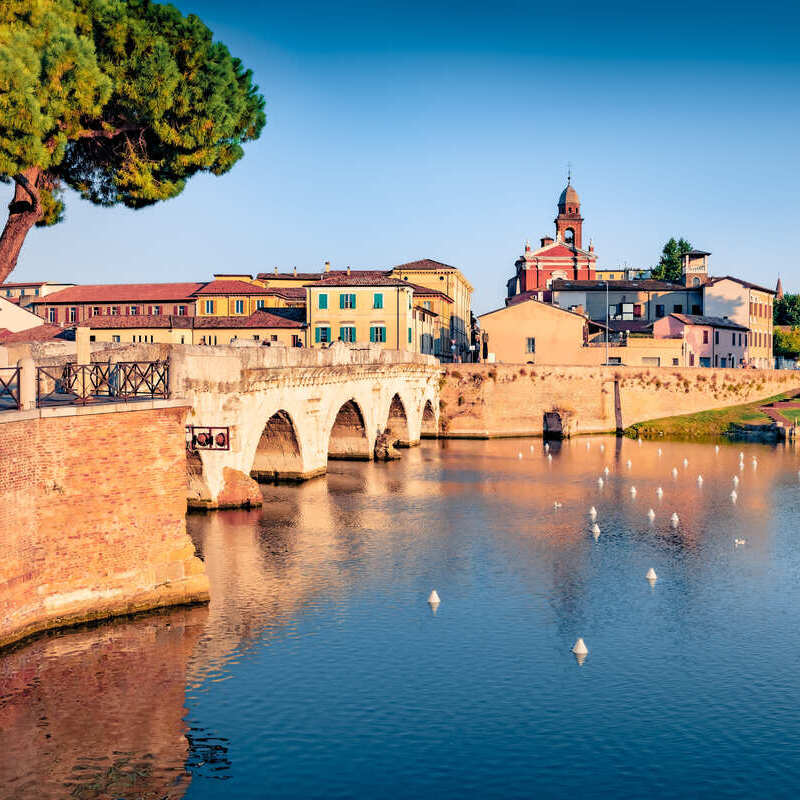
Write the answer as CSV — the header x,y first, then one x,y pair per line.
x,y
121,100
669,267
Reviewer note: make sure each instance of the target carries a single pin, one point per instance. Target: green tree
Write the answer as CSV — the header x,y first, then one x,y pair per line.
x,y
669,267
121,100
786,310
787,343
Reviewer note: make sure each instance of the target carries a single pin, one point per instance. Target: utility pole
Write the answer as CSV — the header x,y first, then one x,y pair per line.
x,y
606,323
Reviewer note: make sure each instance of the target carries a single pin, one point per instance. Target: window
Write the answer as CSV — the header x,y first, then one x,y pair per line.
x,y
35,292
296,342
427,304
347,301
530,346
347,333
92,338
637,309
115,338
239,307
696,309
659,310
733,338
209,306
52,315
691,359
256,337
156,310
410,337
273,337
377,300
677,308
181,311
705,361
322,335
323,302
716,337
259,305
96,311
675,362
377,333
705,337
73,315
133,310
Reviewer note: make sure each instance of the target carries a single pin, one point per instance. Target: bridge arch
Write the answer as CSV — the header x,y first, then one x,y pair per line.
x,y
397,422
429,427
348,438
278,453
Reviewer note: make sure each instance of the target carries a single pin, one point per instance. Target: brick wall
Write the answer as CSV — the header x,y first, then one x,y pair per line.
x,y
92,516
486,400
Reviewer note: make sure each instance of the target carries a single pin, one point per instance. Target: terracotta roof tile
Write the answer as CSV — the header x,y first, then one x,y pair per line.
x,y
122,293
746,284
425,264
275,318
360,278
41,333
229,287
120,321
714,322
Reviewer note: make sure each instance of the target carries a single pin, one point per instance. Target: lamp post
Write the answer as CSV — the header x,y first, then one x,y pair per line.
x,y
606,323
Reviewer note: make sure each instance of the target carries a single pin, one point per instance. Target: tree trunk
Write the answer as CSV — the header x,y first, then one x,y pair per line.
x,y
24,211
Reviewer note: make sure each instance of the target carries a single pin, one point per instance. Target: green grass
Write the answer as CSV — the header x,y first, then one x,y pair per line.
x,y
792,414
705,424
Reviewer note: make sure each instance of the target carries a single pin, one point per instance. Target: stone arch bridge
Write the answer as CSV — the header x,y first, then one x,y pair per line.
x,y
290,410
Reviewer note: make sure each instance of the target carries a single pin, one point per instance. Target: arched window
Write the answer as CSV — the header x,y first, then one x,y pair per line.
x,y
569,236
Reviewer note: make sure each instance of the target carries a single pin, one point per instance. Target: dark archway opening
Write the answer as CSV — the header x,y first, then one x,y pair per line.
x,y
428,427
348,439
278,453
397,423
552,427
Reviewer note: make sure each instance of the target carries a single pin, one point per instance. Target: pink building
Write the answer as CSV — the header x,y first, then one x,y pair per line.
x,y
708,341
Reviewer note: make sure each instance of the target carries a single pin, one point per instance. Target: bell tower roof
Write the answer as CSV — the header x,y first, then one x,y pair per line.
x,y
569,197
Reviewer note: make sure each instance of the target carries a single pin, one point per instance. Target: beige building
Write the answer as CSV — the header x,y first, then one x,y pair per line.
x,y
746,304
286,327
14,318
532,332
455,317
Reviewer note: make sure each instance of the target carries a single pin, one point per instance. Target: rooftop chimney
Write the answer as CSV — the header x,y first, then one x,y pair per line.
x,y
295,270
327,266
546,240
348,269
276,270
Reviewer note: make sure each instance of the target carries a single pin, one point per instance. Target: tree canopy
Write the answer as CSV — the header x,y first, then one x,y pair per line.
x,y
669,267
786,310
121,100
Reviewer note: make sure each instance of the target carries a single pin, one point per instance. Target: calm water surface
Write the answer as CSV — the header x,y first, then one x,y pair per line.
x,y
320,671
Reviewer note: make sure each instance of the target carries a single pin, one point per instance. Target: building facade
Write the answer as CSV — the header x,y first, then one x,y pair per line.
x,y
709,341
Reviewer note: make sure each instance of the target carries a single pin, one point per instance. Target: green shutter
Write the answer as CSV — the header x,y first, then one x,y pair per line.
x,y
409,335
352,301
372,333
341,300
323,301
316,335
378,300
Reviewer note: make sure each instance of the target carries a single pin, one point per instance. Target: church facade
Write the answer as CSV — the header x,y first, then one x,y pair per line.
x,y
560,258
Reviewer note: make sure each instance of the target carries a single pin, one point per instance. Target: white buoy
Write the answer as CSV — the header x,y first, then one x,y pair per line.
x,y
519,456
549,456
735,480
659,451
651,515
755,462
531,448
546,447
674,472
741,465
674,519
716,448
639,440
734,495
651,575
699,480
660,492
633,491
602,448
433,598
580,648
606,470
600,482
593,512
739,542
556,504
588,445
628,464
685,462
741,456
595,530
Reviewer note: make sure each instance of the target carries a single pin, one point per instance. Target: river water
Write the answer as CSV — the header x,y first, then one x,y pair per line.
x,y
319,670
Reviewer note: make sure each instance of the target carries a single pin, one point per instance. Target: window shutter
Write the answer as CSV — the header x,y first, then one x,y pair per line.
x,y
372,334
352,301
341,300
316,335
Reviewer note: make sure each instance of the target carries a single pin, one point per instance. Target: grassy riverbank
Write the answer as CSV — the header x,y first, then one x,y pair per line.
x,y
705,424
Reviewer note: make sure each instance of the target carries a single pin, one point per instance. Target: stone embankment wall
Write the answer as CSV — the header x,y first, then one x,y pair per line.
x,y
92,515
489,400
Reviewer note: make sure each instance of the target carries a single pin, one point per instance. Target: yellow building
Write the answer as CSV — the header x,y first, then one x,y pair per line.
x,y
749,305
362,307
610,274
235,297
286,327
455,318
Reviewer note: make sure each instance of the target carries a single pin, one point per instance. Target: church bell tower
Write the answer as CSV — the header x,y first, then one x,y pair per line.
x,y
569,222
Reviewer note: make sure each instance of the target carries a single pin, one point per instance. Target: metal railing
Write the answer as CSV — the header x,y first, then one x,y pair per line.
x,y
9,388
101,382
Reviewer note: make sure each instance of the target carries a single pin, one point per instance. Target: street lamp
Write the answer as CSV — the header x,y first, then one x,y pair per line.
x,y
606,322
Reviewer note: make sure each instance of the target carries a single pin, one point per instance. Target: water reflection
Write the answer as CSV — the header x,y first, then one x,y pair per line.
x,y
319,670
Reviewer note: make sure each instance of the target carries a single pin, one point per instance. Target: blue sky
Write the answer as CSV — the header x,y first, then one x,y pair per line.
x,y
399,131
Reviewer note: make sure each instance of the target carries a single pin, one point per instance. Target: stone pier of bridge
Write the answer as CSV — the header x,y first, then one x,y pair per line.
x,y
288,411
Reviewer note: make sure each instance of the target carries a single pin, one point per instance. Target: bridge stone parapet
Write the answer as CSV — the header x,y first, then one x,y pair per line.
x,y
290,410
